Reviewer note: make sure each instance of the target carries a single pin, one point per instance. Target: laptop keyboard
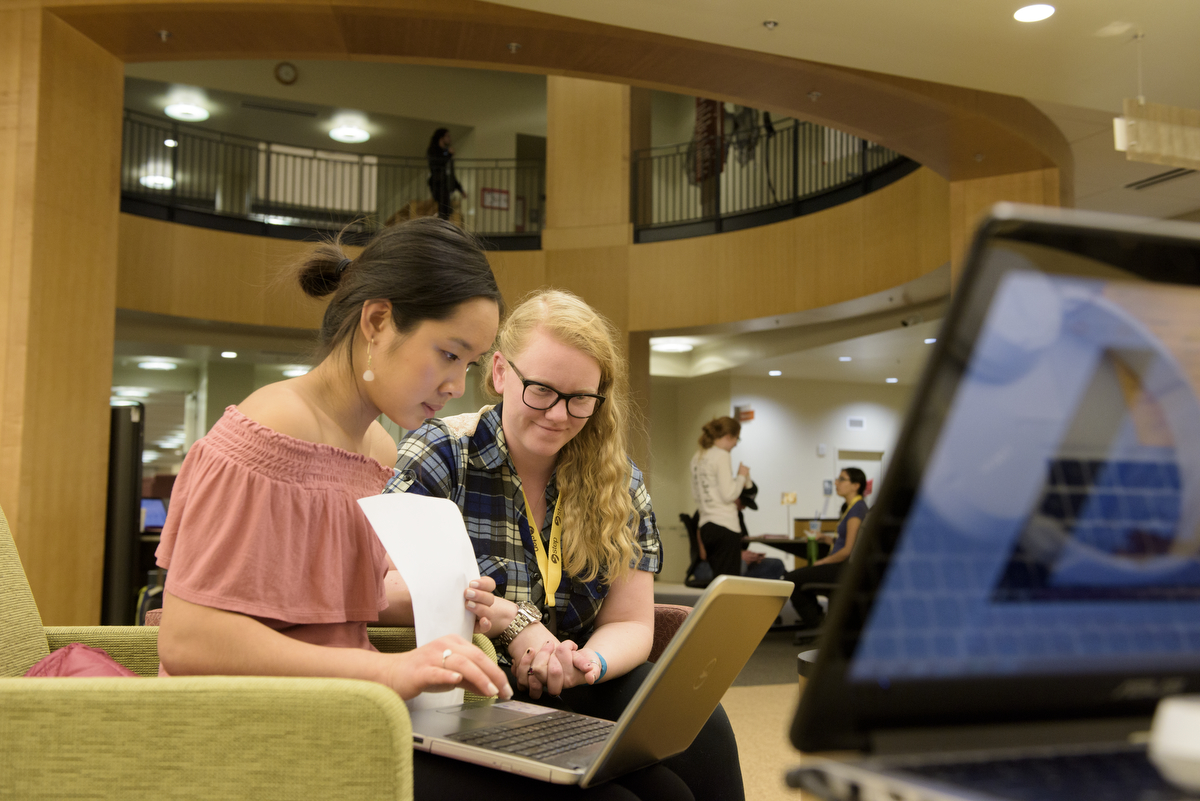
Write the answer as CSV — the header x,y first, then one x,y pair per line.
x,y
539,737
1110,776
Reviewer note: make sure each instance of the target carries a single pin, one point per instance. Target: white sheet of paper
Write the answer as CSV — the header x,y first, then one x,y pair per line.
x,y
428,542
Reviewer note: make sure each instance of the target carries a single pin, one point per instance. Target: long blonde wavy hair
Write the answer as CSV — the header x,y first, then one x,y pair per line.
x,y
599,522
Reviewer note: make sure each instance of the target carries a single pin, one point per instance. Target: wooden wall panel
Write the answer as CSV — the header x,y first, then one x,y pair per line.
x,y
756,272
183,271
829,245
20,32
855,249
593,118
518,272
672,284
59,333
970,201
598,275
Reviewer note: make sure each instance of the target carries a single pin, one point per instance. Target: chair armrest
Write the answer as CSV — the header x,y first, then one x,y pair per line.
x,y
135,647
667,620
398,639
217,737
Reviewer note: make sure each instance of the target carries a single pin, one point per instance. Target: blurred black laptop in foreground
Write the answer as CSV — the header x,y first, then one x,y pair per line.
x,y
1028,584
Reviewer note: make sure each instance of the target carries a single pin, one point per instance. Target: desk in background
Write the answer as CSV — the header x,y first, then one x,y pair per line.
x,y
797,547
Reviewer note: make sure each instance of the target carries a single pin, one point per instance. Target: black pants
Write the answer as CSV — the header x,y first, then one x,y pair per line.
x,y
807,607
724,549
437,778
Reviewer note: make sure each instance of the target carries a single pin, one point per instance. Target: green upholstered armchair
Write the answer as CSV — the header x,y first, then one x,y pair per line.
x,y
208,737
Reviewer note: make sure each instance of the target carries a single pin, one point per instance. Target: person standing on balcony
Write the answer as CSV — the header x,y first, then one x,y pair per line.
x,y
442,183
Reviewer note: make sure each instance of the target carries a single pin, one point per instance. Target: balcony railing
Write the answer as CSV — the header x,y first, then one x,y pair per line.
x,y
223,176
753,177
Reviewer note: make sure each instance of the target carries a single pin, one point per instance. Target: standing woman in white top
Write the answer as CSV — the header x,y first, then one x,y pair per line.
x,y
716,490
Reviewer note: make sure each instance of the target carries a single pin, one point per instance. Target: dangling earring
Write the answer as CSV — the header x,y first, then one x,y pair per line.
x,y
369,375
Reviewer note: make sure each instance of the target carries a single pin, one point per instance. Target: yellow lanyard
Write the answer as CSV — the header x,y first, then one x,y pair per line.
x,y
849,506
551,568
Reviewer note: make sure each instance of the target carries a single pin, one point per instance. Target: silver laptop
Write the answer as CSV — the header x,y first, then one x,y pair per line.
x,y
1027,586
668,711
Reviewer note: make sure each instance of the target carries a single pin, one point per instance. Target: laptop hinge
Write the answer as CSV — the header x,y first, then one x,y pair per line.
x,y
1009,735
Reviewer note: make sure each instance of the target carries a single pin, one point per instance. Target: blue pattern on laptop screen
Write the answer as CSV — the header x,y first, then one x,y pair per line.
x,y
1055,528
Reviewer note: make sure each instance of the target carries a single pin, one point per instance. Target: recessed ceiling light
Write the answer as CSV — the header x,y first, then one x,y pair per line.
x,y
122,402
149,456
156,182
131,392
892,380
157,365
350,134
930,340
186,112
170,143
843,358
296,372
671,347
228,354
1034,13
774,372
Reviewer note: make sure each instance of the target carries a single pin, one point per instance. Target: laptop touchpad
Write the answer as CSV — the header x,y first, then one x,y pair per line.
x,y
490,713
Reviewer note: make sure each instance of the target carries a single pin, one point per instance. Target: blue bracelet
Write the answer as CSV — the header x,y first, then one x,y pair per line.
x,y
603,665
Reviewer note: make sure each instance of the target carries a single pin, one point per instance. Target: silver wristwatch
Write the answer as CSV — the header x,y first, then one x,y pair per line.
x,y
526,613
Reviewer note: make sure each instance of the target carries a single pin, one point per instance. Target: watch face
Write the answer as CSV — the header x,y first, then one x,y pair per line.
x,y
285,72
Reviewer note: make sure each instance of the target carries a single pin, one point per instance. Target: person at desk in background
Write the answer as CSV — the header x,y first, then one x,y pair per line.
x,y
560,517
754,563
442,181
716,490
849,485
273,568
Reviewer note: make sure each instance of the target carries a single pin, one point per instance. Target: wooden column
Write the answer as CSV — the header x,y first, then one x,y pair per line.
x,y
591,129
971,199
60,144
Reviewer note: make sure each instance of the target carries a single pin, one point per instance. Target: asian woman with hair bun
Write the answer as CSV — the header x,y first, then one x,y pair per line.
x,y
266,503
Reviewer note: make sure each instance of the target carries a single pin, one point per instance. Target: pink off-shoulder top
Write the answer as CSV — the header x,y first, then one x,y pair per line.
x,y
268,525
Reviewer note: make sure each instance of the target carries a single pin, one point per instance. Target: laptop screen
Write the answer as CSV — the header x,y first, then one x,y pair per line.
x,y
156,512
1036,543
1055,527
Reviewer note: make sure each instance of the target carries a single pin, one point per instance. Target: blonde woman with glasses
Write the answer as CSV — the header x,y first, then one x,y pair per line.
x,y
562,523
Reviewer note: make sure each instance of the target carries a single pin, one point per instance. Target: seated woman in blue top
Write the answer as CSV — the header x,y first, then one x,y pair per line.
x,y
561,521
849,485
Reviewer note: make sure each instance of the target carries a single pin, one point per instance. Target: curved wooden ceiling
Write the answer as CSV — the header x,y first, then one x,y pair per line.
x,y
959,133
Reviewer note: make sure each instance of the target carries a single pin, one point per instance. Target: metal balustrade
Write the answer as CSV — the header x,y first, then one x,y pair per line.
x,y
193,169
753,177
706,186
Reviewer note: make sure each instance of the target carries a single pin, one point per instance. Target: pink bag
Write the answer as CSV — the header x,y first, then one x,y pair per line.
x,y
80,660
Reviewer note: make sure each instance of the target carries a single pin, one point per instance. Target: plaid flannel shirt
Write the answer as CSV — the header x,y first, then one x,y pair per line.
x,y
470,465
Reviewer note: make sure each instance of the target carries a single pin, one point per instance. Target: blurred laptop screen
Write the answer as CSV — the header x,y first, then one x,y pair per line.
x,y
1055,527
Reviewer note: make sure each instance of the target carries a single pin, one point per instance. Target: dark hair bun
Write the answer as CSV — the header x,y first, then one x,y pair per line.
x,y
320,273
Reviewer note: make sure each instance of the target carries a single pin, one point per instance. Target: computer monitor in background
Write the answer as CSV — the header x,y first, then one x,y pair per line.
x,y
154,514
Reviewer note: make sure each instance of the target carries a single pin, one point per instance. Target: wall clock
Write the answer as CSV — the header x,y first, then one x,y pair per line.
x,y
285,73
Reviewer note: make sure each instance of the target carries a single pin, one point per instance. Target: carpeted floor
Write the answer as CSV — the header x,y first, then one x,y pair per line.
x,y
773,662
760,705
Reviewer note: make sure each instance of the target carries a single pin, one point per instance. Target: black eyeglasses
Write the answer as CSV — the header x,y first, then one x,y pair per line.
x,y
580,405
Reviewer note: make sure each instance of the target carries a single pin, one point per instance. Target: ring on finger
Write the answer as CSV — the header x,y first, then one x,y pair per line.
x,y
445,655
